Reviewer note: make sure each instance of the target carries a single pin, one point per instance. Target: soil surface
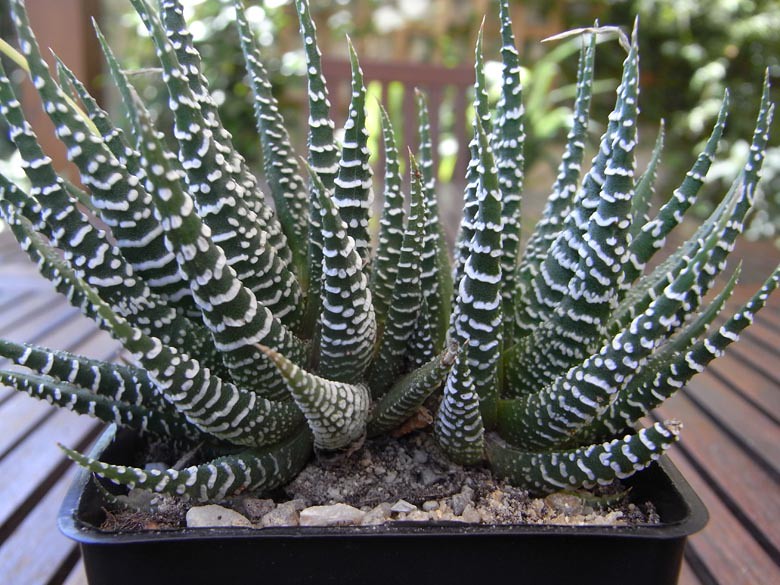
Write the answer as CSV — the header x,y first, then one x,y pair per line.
x,y
386,480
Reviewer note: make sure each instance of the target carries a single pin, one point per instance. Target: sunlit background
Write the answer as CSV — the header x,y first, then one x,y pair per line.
x,y
691,51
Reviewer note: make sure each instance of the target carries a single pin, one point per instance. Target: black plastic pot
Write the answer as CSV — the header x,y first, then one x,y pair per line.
x,y
396,554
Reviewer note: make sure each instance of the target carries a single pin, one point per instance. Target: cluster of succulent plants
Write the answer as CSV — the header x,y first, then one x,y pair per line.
x,y
260,335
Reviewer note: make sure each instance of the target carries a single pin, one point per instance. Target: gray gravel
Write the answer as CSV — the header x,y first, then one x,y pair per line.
x,y
397,480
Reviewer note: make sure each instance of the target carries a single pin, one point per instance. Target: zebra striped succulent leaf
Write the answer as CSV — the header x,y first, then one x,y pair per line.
x,y
261,334
407,299
510,161
436,280
391,227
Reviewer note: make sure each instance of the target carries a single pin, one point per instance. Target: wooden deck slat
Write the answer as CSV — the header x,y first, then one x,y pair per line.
x,y
69,330
765,332
76,334
758,356
35,306
32,551
36,457
22,278
744,380
19,414
34,554
741,542
760,361
28,307
747,424
772,316
77,576
728,451
770,321
688,575
7,295
732,473
728,550
49,317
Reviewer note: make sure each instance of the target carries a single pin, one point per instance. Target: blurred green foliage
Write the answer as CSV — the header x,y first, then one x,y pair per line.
x,y
548,104
692,50
211,23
